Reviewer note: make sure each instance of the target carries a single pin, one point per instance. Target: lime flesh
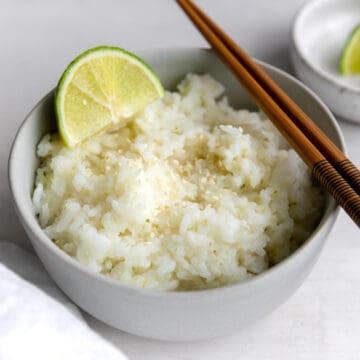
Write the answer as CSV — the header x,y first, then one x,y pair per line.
x,y
350,57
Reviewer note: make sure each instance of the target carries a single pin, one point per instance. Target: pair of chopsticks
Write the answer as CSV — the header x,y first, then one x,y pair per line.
x,y
330,167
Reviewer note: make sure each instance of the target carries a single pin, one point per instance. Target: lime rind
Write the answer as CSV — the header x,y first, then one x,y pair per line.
x,y
93,53
351,49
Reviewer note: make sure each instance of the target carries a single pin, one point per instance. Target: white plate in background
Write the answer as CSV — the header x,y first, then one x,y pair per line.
x,y
319,33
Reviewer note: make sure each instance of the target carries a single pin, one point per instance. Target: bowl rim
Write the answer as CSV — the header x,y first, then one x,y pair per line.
x,y
29,221
297,42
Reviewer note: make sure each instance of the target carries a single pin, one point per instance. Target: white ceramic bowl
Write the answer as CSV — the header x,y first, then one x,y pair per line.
x,y
318,36
170,315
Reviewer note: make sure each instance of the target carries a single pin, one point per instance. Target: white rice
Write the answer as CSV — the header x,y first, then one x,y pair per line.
x,y
189,194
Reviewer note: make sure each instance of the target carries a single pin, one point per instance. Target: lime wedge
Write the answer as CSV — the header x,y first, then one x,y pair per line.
x,y
350,57
102,86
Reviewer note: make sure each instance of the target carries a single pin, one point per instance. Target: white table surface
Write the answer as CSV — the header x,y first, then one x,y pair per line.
x,y
37,40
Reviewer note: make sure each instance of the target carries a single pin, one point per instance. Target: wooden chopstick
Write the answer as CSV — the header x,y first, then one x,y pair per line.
x,y
287,119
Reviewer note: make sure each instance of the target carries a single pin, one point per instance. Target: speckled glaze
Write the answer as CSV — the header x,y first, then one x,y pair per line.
x,y
319,33
171,315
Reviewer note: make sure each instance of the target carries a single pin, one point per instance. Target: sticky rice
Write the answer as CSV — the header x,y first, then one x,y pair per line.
x,y
188,194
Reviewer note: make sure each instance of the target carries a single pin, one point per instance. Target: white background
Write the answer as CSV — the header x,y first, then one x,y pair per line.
x,y
37,40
